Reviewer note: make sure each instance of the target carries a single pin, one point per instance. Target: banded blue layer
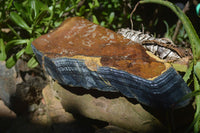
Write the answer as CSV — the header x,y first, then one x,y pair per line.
x,y
162,92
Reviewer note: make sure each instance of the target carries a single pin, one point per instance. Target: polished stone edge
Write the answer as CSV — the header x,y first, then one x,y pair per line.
x,y
162,92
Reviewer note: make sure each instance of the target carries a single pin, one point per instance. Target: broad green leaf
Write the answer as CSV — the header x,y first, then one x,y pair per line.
x,y
13,59
95,19
28,49
197,70
32,62
2,51
111,17
188,72
19,21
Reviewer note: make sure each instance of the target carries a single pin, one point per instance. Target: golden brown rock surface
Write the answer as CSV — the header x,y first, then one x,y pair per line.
x,y
81,39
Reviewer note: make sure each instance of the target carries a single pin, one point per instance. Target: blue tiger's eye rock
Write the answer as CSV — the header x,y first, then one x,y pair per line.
x,y
82,54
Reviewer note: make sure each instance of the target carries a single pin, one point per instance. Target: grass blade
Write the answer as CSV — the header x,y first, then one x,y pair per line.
x,y
2,51
13,43
197,70
188,72
197,100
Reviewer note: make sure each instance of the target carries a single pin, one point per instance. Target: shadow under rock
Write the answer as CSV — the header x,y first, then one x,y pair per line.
x,y
23,125
96,93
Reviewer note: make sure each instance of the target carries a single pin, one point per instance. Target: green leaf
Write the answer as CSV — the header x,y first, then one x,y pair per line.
x,y
10,3
19,7
90,5
96,3
13,59
19,21
111,17
95,19
190,95
82,10
34,7
28,49
40,16
197,100
167,30
13,30
197,70
32,62
180,67
103,23
188,72
3,55
13,43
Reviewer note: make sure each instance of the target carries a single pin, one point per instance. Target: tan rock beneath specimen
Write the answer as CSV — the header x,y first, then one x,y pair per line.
x,y
118,111
5,111
54,110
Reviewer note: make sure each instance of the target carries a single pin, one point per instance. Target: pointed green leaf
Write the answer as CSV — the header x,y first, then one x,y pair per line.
x,y
32,62
95,19
2,51
197,100
90,5
13,59
34,7
188,72
13,43
40,16
28,49
10,3
96,3
111,17
197,70
19,21
19,7
190,95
